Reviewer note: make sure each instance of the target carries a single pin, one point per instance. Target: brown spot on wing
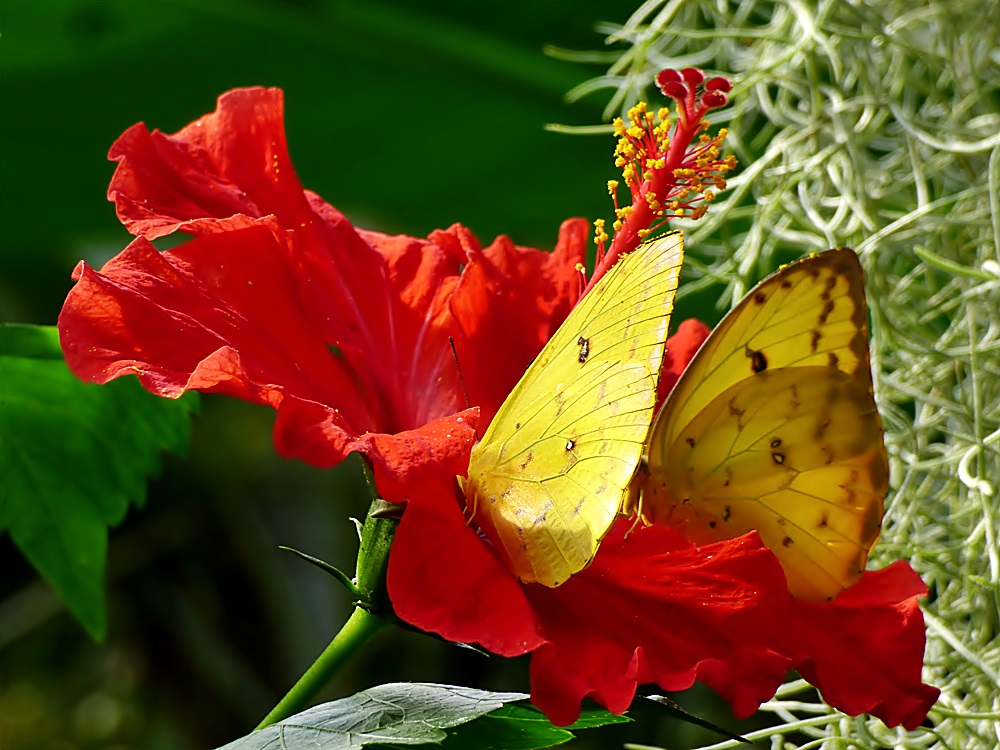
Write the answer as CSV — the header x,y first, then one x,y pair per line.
x,y
758,362
827,309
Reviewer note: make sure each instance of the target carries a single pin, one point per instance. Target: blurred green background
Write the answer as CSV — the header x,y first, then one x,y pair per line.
x,y
407,117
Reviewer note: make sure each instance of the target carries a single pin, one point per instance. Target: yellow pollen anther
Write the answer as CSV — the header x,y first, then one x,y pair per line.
x,y
600,235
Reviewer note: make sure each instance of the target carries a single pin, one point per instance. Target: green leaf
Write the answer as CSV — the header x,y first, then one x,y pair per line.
x,y
73,456
395,714
522,728
597,717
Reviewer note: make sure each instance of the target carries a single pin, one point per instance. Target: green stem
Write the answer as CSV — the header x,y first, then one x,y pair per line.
x,y
357,631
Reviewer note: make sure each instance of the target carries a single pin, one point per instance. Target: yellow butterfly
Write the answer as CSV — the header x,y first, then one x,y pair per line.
x,y
549,477
773,427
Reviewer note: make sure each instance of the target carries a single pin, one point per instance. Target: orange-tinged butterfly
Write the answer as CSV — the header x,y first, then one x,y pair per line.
x,y
549,477
773,426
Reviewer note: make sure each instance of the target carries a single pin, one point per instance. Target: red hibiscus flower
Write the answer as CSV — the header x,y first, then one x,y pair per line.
x,y
279,300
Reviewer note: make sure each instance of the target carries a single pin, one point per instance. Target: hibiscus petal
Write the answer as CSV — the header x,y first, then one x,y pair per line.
x,y
652,608
315,433
228,163
444,578
865,649
231,169
508,304
382,301
216,314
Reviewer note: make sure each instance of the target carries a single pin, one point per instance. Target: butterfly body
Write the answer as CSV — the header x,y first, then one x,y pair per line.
x,y
773,427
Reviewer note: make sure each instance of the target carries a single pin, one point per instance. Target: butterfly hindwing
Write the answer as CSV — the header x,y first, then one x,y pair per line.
x,y
773,427
549,477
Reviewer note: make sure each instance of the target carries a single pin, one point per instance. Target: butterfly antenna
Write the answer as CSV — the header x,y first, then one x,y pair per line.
x,y
461,380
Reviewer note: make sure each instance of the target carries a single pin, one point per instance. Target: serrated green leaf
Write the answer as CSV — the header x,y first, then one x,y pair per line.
x,y
393,714
73,456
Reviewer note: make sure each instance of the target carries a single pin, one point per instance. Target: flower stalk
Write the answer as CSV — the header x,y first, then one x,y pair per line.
x,y
357,631
367,619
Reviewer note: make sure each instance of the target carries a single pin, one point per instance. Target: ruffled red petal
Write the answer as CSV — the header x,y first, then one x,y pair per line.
x,y
444,578
219,313
222,313
653,608
231,163
865,650
508,304
313,432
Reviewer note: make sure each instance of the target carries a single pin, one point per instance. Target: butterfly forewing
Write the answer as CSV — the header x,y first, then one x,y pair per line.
x,y
549,476
773,427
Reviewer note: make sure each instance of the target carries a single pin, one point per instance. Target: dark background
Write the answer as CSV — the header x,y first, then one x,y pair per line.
x,y
407,117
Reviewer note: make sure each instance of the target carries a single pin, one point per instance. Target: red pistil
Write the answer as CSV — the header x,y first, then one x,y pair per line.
x,y
669,168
